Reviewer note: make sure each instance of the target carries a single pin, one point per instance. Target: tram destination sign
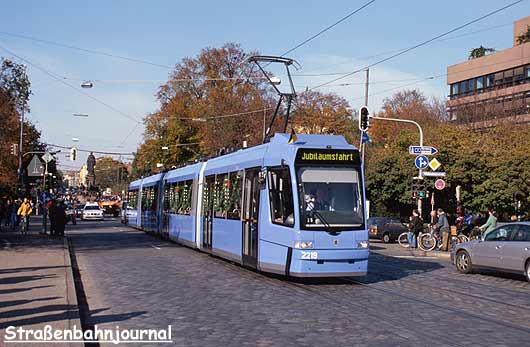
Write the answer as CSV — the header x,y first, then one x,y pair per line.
x,y
327,156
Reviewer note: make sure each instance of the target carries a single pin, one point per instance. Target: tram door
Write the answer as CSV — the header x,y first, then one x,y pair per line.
x,y
207,212
251,189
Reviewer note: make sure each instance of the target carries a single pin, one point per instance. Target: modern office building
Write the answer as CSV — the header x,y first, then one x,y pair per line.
x,y
496,87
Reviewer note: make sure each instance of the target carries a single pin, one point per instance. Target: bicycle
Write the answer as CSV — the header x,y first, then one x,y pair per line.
x,y
429,241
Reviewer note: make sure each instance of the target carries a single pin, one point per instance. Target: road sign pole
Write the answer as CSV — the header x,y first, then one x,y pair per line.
x,y
420,171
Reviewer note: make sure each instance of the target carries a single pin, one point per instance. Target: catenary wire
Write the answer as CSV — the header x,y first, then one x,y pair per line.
x,y
422,43
63,45
328,28
61,80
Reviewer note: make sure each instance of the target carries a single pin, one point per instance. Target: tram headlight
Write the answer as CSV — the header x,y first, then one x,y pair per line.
x,y
363,244
303,244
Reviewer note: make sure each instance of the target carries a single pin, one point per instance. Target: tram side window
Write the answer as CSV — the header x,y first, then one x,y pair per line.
x,y
233,198
132,198
185,193
281,196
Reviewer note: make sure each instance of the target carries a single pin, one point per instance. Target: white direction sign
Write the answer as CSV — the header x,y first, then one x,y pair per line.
x,y
422,150
434,164
433,174
47,157
35,168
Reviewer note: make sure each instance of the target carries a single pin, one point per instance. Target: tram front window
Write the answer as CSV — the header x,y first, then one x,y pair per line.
x,y
330,198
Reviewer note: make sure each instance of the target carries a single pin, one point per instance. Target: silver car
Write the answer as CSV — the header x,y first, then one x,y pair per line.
x,y
506,248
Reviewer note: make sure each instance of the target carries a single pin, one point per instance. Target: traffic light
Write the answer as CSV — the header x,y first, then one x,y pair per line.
x,y
364,118
73,153
418,188
14,149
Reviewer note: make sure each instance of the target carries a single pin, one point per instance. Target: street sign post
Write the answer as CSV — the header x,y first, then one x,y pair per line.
x,y
439,184
422,150
35,167
434,174
421,162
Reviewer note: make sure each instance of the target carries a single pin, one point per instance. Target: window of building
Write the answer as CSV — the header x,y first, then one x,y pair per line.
x,y
281,196
499,77
463,87
528,72
455,90
518,75
490,81
508,78
480,84
470,86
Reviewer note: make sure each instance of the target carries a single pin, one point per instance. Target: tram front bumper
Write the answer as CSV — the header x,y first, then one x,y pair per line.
x,y
329,262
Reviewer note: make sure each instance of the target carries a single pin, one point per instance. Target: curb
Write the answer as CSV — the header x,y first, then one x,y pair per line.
x,y
71,296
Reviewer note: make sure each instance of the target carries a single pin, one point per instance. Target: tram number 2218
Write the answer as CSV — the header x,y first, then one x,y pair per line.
x,y
309,255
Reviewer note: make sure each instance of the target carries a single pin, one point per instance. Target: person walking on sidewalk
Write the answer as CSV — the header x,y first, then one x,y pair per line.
x,y
443,229
24,211
60,218
415,228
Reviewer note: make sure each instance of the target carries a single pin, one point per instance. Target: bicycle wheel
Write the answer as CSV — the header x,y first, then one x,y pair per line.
x,y
427,242
403,240
462,238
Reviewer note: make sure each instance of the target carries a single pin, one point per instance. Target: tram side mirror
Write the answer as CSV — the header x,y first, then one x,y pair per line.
x,y
262,177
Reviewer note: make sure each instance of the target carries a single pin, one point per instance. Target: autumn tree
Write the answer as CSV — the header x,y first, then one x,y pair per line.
x,y
319,113
524,37
479,52
111,173
196,108
14,97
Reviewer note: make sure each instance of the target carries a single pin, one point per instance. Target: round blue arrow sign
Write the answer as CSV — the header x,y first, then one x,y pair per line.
x,y
421,162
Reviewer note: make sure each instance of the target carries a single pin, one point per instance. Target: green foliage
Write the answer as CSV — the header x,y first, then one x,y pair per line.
x,y
524,37
492,167
479,52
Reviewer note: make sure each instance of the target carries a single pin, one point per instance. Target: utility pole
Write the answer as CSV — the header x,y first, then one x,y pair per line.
x,y
20,149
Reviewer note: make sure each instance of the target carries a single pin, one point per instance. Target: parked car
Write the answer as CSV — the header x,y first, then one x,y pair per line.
x,y
386,229
506,248
92,211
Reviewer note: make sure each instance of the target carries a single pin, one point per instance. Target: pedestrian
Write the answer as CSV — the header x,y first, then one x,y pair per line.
x,y
3,211
60,218
443,228
52,208
13,208
24,211
491,223
415,228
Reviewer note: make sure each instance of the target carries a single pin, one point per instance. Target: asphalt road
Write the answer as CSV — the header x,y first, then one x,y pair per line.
x,y
136,280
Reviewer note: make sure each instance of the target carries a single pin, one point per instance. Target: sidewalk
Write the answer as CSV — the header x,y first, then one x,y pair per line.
x,y
395,250
36,282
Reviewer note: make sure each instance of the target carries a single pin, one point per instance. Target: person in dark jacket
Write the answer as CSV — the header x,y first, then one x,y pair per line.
x,y
415,228
60,219
52,208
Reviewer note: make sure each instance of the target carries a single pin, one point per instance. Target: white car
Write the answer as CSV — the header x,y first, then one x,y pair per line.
x,y
92,211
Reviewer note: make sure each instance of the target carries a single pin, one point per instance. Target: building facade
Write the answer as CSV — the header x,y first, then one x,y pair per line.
x,y
496,87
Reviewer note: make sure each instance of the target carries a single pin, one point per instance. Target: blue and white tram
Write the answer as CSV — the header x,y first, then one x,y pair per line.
x,y
295,209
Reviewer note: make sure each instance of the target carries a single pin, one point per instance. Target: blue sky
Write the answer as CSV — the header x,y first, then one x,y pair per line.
x,y
164,32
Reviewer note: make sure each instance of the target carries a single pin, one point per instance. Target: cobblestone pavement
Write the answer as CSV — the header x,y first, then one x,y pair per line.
x,y
36,284
138,281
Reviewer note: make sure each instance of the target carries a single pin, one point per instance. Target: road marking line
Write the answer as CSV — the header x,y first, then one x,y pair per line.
x,y
155,247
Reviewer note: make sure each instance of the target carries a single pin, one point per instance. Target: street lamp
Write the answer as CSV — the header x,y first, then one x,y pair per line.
x,y
87,84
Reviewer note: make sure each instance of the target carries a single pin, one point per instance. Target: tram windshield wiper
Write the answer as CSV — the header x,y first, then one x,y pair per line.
x,y
326,224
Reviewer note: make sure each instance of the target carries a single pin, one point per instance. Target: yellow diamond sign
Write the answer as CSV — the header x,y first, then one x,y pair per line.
x,y
434,164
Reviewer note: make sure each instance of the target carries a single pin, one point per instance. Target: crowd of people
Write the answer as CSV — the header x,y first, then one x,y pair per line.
x,y
15,215
467,224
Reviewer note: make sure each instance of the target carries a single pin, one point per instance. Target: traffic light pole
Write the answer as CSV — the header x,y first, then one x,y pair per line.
x,y
420,171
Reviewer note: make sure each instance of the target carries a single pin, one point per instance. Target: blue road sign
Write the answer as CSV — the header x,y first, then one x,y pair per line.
x,y
422,150
421,162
